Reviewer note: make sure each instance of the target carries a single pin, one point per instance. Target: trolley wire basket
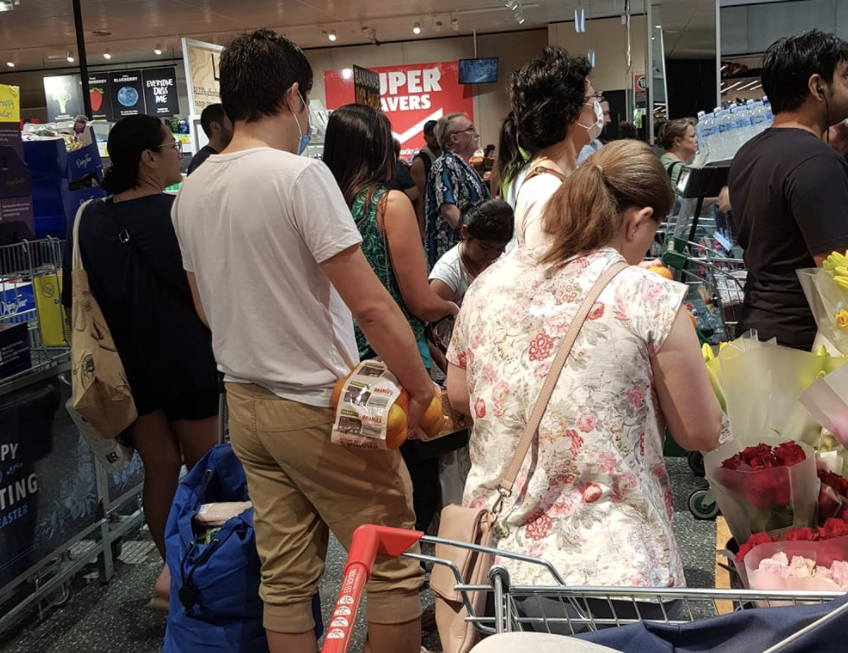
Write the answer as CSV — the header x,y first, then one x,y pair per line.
x,y
31,302
563,610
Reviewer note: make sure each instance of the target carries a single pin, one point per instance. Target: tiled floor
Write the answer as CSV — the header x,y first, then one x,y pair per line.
x,y
114,618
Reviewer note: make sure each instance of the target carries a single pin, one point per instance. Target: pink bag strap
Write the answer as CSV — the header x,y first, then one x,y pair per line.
x,y
541,405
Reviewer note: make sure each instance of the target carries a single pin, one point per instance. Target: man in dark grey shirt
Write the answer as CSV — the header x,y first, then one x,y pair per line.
x,y
219,131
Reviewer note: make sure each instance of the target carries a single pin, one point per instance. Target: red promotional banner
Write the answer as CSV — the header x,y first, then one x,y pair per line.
x,y
410,96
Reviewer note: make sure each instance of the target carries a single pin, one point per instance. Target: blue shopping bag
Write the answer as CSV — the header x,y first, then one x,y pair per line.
x,y
745,631
215,604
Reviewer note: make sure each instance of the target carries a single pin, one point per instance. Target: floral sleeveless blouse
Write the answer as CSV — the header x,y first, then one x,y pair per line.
x,y
374,248
593,494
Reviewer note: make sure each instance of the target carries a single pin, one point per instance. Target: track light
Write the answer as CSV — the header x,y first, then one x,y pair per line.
x,y
519,17
417,28
580,21
69,57
454,24
332,35
11,64
323,34
158,49
512,5
107,54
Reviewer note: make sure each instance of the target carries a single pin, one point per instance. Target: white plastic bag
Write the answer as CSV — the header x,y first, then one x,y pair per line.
x,y
113,455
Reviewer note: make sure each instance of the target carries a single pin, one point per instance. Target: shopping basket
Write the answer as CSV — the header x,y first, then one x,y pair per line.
x,y
685,620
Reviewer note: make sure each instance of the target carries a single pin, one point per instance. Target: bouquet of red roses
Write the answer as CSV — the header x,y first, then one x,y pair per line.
x,y
833,496
765,487
803,559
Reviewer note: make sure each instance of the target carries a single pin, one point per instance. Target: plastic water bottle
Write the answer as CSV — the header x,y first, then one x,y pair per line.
x,y
722,138
758,118
769,114
739,131
701,132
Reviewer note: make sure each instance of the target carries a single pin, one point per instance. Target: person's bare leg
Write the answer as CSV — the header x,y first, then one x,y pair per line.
x,y
196,437
162,586
293,643
396,638
157,445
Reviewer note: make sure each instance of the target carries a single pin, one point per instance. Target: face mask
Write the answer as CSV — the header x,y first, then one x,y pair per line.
x,y
304,138
595,129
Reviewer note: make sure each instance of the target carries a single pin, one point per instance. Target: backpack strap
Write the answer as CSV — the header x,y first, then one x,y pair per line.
x,y
542,170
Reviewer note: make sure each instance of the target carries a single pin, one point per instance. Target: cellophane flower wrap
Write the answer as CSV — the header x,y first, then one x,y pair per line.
x,y
805,559
762,384
762,488
826,290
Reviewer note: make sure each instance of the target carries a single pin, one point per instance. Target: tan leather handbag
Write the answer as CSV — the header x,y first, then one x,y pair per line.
x,y
100,391
478,526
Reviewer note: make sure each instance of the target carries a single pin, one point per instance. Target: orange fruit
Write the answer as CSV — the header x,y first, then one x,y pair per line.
x,y
434,418
662,271
337,391
395,427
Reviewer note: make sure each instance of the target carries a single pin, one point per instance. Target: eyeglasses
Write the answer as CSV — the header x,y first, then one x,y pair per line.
x,y
465,131
595,96
177,145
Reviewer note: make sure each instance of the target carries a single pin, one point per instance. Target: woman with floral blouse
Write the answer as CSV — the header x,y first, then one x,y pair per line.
x,y
593,495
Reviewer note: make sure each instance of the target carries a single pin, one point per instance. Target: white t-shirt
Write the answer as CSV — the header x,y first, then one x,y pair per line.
x,y
450,270
532,198
253,227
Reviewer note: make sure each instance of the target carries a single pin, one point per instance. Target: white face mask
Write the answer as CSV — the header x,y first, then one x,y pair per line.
x,y
596,128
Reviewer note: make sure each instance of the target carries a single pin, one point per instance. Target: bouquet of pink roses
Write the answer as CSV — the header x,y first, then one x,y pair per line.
x,y
764,488
801,559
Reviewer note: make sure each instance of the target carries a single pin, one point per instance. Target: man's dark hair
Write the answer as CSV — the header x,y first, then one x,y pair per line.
x,y
789,63
212,113
429,126
256,71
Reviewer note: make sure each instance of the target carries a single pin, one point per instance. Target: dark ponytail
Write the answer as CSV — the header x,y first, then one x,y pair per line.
x,y
128,139
510,158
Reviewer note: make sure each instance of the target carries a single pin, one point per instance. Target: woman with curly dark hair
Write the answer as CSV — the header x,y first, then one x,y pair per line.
x,y
555,113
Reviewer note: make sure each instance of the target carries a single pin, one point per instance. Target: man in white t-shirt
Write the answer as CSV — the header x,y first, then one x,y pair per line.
x,y
276,270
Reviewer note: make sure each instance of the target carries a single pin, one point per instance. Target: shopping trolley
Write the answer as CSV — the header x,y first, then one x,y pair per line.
x,y
674,607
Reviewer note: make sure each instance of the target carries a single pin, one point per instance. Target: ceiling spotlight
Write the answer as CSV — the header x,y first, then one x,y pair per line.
x,y
347,73
454,24
512,5
69,57
323,34
107,54
11,64
437,26
158,49
332,35
417,28
519,17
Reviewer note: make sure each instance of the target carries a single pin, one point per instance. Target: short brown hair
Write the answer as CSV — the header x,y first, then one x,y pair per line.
x,y
673,129
585,214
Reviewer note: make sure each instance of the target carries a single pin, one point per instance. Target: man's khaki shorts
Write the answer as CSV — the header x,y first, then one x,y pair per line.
x,y
302,487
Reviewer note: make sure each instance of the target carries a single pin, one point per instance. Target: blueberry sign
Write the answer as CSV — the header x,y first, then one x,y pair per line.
x,y
160,92
126,87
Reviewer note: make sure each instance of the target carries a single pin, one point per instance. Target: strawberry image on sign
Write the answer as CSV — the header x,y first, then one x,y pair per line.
x,y
96,96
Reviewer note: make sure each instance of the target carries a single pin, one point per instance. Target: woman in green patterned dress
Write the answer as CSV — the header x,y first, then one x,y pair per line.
x,y
359,152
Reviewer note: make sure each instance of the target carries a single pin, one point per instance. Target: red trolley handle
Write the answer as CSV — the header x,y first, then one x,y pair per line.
x,y
368,542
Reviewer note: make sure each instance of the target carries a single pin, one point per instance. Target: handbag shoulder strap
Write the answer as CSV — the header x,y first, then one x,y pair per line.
x,y
563,352
76,256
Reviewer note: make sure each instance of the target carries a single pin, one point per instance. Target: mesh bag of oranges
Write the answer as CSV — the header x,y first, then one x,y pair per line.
x,y
371,410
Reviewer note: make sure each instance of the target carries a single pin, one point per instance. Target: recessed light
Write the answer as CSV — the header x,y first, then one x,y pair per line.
x,y
417,28
454,24
107,54
158,49
332,35
11,64
69,57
